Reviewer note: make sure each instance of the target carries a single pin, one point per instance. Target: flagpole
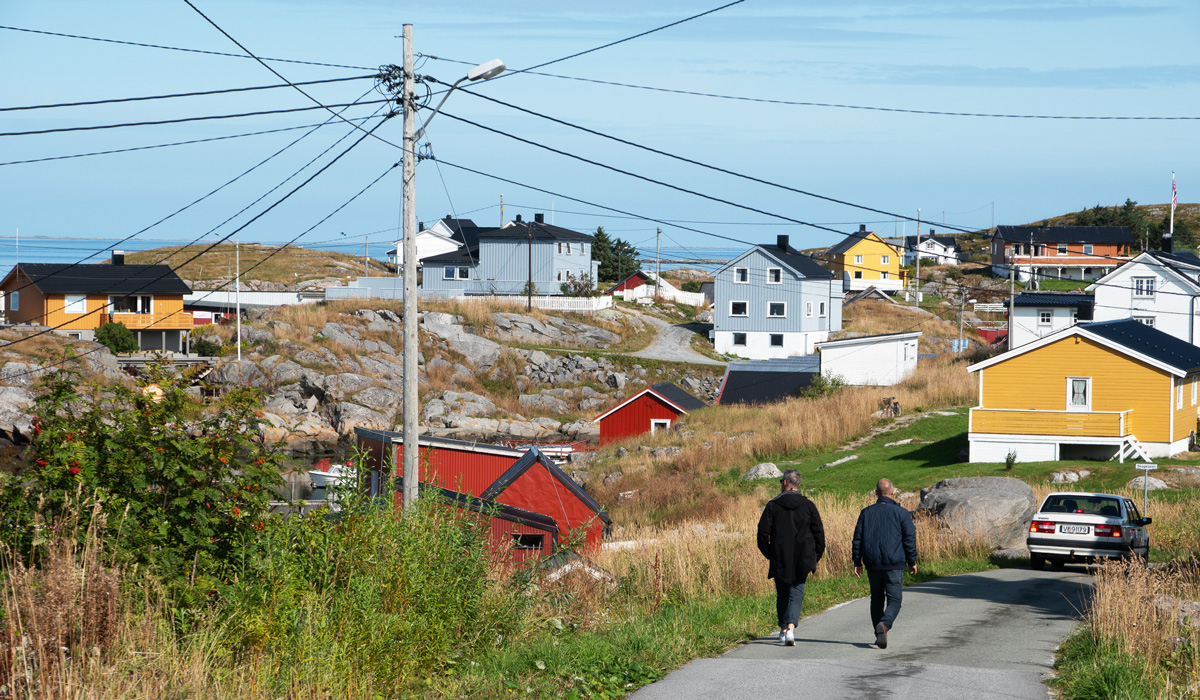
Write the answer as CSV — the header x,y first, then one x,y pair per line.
x,y
1173,200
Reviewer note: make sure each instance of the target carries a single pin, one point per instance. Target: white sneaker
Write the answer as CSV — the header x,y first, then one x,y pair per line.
x,y
789,639
782,636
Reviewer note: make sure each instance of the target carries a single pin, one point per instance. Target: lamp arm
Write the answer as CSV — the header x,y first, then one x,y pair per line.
x,y
421,131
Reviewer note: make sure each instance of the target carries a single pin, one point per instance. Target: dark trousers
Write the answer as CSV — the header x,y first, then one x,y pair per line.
x,y
788,599
889,585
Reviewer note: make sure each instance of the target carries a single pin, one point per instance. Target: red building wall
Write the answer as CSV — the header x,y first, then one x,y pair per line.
x,y
459,470
539,491
633,282
634,418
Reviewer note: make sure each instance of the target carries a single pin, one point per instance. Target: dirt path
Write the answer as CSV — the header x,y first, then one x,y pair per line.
x,y
672,343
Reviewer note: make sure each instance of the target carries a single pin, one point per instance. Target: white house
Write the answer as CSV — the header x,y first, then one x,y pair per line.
x,y
938,251
444,236
870,360
1038,314
1160,289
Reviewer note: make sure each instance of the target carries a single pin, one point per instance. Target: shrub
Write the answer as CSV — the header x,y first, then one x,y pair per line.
x,y
823,385
691,286
117,338
582,286
205,347
1010,460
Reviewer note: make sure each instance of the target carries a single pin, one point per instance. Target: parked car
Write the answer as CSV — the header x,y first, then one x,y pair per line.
x,y
1084,527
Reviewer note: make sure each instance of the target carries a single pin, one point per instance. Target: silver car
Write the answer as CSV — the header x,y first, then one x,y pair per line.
x,y
1083,527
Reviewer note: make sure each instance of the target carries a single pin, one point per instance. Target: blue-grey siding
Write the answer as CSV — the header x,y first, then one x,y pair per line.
x,y
794,290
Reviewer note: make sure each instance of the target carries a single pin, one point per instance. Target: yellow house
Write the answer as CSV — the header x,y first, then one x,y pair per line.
x,y
75,300
865,260
1106,390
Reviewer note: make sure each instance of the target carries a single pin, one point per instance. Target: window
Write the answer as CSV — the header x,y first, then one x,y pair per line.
x,y
1062,248
822,310
739,339
1087,249
1087,272
774,275
777,342
657,424
14,301
464,273
1143,287
739,308
883,275
858,260
1008,251
76,304
567,246
1016,249
79,336
858,274
583,248
885,259
559,276
1148,320
132,304
808,309
522,540
777,309
741,275
1079,393
560,247
1045,316
448,273
1074,316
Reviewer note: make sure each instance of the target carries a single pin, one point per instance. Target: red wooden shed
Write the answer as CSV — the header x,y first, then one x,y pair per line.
x,y
654,408
637,279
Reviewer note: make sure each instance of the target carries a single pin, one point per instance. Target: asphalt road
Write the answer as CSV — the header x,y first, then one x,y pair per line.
x,y
988,635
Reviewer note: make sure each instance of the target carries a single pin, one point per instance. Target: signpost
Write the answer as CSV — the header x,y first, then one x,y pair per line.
x,y
1146,469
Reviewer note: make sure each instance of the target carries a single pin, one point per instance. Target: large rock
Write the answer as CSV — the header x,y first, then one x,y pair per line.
x,y
1150,483
339,386
15,423
238,373
340,335
765,470
480,352
543,403
379,398
345,417
1000,508
307,433
286,372
554,331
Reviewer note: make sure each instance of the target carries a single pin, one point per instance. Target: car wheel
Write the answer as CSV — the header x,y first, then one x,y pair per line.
x,y
1058,564
1037,562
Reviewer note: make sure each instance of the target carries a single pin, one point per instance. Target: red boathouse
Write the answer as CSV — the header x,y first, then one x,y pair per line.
x,y
652,409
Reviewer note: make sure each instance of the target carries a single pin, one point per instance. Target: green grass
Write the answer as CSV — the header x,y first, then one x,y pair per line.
x,y
1089,671
1046,285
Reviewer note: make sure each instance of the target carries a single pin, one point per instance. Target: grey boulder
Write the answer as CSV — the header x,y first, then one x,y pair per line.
x,y
999,508
765,470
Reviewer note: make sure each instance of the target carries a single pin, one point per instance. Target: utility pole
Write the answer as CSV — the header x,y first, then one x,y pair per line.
x,y
529,283
366,256
502,211
657,261
411,447
237,286
918,289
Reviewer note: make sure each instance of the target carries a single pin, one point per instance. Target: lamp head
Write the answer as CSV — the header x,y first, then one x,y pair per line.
x,y
486,71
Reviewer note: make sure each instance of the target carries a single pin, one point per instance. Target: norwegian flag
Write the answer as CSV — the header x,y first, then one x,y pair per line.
x,y
1174,193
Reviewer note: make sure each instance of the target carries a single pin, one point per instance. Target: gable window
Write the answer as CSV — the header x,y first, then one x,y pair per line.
x,y
858,260
657,424
1148,320
858,274
1062,248
1143,287
523,540
464,273
883,275
777,342
448,273
567,247
583,248
739,339
739,308
1079,393
132,304
885,259
741,275
75,304
1045,316
777,309
808,309
14,301
1087,249
774,275
822,310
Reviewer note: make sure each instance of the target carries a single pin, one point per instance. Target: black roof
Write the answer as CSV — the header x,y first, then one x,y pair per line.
x,y
1177,257
66,278
541,232
677,396
910,242
466,254
463,230
848,242
1148,341
767,381
1065,234
520,516
535,456
798,261
1051,299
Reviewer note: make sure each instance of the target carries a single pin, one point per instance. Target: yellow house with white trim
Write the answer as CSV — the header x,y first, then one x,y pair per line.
x,y
865,260
1106,390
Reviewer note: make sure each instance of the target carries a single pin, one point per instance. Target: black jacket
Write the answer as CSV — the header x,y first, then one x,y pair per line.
x,y
884,537
791,537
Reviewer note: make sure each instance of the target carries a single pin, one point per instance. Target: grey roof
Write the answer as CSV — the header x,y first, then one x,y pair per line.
x,y
910,242
677,396
66,278
848,242
541,232
767,381
798,261
1065,234
1176,258
1051,299
1151,342
877,336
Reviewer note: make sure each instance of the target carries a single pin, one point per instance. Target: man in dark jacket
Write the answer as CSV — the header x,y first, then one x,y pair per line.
x,y
791,537
885,541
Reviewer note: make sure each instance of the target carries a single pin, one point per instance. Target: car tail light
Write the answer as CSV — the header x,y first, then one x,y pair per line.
x,y
1108,530
1045,526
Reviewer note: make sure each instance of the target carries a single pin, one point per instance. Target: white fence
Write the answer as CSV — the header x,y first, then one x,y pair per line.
x,y
667,292
991,308
570,303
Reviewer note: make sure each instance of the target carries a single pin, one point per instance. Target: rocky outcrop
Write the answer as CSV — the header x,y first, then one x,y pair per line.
x,y
997,507
238,373
16,425
481,353
554,331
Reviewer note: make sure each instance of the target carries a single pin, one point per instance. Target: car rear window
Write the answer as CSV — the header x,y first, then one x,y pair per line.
x,y
1087,505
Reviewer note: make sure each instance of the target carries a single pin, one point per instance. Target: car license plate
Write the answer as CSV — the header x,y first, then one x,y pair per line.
x,y
1075,529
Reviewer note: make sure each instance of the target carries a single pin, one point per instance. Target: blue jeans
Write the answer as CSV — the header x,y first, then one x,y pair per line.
x,y
885,584
788,599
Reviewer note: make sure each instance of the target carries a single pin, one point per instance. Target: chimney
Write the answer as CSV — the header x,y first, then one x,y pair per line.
x,y
420,226
1045,223
782,242
539,218
118,257
518,219
1085,311
1168,245
862,228
932,233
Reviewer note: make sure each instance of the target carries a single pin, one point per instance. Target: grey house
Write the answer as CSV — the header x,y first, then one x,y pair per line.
x,y
504,260
773,301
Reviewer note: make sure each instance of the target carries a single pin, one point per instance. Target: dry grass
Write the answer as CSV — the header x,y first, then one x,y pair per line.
x,y
871,317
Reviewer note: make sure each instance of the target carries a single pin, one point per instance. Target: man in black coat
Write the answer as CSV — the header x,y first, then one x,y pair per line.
x,y
885,541
791,537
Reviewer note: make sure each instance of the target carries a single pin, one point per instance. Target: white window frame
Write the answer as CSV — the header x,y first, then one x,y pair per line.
x,y
1146,320
1178,393
560,247
735,340
1143,287
1083,408
14,301
113,299
858,260
657,424
775,273
742,315
1087,249
448,272
464,273
772,336
75,303
821,309
808,309
771,315
885,260
559,275
738,271
567,245
883,275
1049,317
1062,249
1195,385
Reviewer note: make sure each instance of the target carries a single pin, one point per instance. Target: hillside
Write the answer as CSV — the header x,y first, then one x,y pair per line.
x,y
264,267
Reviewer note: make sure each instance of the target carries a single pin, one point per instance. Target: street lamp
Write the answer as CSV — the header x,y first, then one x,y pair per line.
x,y
483,71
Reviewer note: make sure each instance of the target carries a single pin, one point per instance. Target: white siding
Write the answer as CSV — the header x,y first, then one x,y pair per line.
x,y
1173,305
758,344
1027,326
872,361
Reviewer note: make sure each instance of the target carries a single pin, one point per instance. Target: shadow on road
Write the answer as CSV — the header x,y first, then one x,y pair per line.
x,y
1047,596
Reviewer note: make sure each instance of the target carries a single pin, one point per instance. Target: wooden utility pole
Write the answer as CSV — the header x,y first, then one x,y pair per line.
x,y
410,402
529,283
918,288
657,262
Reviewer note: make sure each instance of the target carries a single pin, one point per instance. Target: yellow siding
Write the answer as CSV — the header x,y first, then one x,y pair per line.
x,y
873,249
1185,414
1037,380
30,298
1037,423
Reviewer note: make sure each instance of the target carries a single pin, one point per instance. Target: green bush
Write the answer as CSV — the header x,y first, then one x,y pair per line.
x,y
205,347
691,286
823,385
117,338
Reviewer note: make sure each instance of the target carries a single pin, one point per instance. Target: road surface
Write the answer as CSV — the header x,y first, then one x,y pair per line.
x,y
672,343
989,635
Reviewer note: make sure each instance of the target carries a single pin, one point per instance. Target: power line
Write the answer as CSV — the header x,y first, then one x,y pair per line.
x,y
192,119
180,94
177,48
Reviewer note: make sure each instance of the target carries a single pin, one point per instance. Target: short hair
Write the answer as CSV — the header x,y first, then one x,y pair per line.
x,y
885,487
793,478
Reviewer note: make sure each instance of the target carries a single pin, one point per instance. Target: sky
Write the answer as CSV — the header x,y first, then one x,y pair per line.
x,y
1019,57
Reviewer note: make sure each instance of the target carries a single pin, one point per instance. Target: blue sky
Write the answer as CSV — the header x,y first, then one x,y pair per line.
x,y
1041,57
